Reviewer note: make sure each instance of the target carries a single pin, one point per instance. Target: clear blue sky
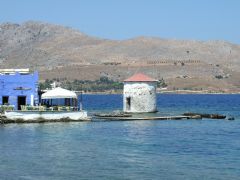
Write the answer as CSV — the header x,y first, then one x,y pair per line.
x,y
124,19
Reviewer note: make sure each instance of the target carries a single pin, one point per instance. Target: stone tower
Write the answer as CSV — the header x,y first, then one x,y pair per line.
x,y
139,94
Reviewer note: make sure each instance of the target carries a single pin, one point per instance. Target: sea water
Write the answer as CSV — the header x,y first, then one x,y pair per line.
x,y
186,149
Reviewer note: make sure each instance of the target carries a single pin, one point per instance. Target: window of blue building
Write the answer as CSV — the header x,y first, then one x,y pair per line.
x,y
5,100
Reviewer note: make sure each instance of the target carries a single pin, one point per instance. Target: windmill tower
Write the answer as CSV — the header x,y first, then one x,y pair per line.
x,y
139,94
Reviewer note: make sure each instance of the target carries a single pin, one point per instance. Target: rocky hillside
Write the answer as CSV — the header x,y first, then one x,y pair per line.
x,y
61,52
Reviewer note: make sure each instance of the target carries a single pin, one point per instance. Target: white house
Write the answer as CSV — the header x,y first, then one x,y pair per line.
x,y
139,94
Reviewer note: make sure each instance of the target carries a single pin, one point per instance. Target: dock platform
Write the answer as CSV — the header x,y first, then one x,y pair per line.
x,y
112,118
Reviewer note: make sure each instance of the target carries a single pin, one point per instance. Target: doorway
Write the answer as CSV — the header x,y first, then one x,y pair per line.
x,y
128,103
5,100
21,101
67,102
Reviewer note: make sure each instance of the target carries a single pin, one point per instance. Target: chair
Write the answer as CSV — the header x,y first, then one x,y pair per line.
x,y
42,108
23,108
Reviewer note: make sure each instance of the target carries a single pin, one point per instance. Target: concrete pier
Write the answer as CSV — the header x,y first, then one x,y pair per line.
x,y
148,118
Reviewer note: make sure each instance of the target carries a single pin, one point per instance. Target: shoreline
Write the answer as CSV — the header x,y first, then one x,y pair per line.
x,y
166,92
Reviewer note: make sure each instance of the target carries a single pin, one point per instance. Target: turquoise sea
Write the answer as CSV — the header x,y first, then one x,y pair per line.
x,y
187,149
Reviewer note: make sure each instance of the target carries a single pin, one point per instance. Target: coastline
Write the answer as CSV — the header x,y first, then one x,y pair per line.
x,y
195,92
167,92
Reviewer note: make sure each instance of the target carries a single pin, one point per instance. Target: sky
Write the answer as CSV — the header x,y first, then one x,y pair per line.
x,y
125,19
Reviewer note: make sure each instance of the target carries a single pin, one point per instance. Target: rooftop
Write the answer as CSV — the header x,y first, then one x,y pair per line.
x,y
140,78
14,71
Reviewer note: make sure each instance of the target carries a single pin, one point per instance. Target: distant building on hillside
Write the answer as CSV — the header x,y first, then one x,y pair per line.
x,y
139,94
18,87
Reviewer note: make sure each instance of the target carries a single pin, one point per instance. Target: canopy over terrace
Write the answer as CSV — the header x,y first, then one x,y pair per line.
x,y
56,96
59,93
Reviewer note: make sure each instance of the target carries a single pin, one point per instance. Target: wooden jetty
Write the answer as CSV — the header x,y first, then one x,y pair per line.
x,y
101,115
130,117
112,118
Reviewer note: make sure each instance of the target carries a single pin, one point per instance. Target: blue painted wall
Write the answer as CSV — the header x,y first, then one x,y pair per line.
x,y
19,85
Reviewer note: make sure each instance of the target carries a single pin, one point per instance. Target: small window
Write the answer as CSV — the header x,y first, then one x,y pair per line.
x,y
5,100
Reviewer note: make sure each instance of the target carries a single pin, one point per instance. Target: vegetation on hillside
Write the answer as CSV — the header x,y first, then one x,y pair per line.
x,y
161,83
101,85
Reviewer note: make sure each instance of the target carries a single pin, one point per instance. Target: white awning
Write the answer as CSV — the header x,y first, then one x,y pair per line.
x,y
59,93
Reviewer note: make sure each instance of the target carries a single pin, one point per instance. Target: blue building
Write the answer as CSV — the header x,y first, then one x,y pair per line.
x,y
18,87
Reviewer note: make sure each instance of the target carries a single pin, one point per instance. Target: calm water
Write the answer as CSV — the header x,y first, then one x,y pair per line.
x,y
189,149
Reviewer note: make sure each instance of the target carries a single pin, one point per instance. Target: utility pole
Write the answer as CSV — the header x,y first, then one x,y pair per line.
x,y
81,98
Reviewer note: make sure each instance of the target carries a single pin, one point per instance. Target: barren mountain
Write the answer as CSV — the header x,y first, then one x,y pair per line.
x,y
61,52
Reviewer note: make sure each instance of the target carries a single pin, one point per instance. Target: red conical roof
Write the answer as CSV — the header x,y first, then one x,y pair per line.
x,y
140,78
